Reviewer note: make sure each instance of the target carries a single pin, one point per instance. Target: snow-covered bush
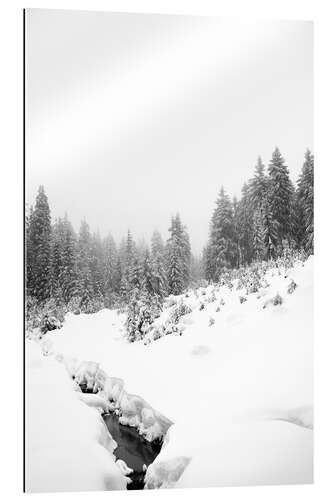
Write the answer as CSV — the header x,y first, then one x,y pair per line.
x,y
291,287
242,299
211,321
143,309
202,306
275,301
178,311
46,316
218,309
211,298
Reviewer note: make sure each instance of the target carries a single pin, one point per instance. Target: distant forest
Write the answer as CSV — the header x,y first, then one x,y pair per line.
x,y
84,272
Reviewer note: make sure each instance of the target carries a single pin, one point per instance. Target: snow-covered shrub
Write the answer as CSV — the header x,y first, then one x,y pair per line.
x,y
222,303
218,309
143,309
242,299
45,316
202,306
275,301
203,292
178,311
211,298
211,321
291,287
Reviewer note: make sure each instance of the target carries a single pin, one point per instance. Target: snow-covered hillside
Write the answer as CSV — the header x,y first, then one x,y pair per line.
x,y
230,390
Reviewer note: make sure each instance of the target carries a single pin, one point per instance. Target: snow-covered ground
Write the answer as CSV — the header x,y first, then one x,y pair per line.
x,y
233,400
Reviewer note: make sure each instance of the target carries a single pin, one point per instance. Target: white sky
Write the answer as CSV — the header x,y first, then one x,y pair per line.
x,y
133,117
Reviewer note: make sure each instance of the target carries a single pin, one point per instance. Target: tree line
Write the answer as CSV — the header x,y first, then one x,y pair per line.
x,y
271,214
90,272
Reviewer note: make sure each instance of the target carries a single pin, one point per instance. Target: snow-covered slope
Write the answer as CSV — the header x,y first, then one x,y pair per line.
x,y
239,392
68,447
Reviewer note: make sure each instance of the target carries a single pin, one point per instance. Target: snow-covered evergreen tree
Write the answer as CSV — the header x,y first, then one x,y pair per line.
x,y
69,274
40,248
243,228
258,234
304,204
222,241
178,257
160,282
258,185
280,195
84,265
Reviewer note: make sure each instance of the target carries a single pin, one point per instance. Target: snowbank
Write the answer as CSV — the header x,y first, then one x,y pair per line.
x,y
238,391
68,447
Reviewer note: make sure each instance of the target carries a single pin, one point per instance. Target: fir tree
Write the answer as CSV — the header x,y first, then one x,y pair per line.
x,y
40,247
178,257
244,228
280,194
69,273
84,265
110,261
222,242
258,186
258,234
304,204
160,283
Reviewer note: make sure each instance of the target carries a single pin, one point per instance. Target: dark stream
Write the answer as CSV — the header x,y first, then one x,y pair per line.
x,y
132,448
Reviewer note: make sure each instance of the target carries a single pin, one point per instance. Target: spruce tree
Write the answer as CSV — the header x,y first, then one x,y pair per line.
x,y
110,260
304,204
222,241
160,283
280,194
69,275
84,265
244,228
178,257
40,247
258,185
258,234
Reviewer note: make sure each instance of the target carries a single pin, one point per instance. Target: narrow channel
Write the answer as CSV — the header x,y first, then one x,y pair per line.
x,y
136,451
132,448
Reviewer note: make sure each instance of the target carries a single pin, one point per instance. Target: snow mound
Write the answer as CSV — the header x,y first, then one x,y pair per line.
x,y
68,447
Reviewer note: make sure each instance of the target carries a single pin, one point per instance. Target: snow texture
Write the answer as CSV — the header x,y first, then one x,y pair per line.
x,y
232,400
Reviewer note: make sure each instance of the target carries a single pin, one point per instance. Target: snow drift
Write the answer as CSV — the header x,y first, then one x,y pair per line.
x,y
238,389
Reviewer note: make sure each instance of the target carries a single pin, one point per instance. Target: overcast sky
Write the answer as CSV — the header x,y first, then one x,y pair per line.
x,y
134,117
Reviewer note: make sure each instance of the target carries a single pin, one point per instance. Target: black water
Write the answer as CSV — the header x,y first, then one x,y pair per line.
x,y
132,448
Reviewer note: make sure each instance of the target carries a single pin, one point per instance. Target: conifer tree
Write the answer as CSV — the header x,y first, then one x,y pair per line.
x,y
96,265
304,204
222,242
57,258
280,194
258,185
160,284
40,247
29,257
69,274
244,228
258,234
178,257
84,265
147,282
110,261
